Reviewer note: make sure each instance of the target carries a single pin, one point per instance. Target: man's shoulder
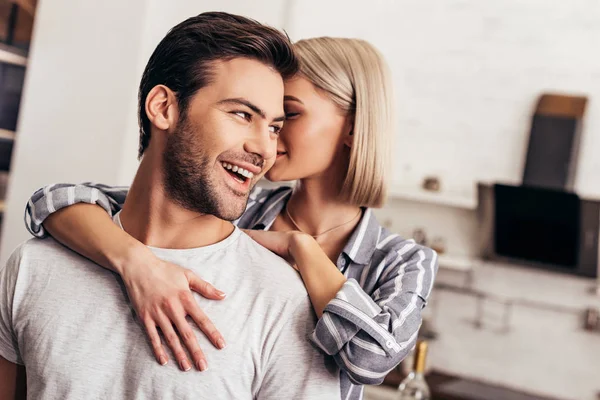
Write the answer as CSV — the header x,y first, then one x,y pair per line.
x,y
39,265
41,248
40,253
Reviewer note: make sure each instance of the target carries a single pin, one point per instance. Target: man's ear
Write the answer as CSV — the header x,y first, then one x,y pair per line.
x,y
161,107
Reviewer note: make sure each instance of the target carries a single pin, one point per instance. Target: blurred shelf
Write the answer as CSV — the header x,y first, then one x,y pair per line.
x,y
448,199
518,284
449,386
12,56
7,135
457,263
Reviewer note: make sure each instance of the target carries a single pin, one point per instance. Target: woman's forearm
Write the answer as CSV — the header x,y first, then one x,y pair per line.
x,y
90,231
321,277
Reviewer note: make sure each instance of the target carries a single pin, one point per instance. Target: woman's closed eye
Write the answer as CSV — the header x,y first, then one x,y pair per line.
x,y
291,115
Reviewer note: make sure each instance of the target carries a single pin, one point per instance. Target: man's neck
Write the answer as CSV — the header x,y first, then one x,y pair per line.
x,y
150,216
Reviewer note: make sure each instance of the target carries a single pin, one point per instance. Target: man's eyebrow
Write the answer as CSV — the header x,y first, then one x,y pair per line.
x,y
246,103
251,106
292,98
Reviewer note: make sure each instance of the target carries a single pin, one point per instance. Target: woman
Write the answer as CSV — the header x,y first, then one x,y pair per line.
x,y
367,285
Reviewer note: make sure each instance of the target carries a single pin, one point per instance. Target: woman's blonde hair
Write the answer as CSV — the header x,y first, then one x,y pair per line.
x,y
356,77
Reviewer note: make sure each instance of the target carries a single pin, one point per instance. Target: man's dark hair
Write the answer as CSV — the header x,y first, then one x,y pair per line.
x,y
181,61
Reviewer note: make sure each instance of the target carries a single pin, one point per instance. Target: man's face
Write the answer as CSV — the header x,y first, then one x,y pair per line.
x,y
226,140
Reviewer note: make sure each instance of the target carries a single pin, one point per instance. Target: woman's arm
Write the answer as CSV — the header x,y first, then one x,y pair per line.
x,y
54,197
90,231
160,292
368,335
322,278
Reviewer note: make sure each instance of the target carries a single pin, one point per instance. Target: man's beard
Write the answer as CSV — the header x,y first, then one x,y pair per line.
x,y
188,177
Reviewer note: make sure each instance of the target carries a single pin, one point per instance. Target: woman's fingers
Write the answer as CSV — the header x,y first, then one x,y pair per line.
x,y
204,288
163,298
173,342
189,339
277,242
270,240
157,347
204,323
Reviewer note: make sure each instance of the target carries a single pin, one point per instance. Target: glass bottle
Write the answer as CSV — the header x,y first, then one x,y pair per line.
x,y
414,387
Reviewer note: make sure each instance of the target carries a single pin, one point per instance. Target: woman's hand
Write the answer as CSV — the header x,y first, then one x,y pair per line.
x,y
161,296
284,244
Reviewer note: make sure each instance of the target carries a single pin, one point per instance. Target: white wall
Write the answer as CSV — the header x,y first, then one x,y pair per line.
x,y
467,75
74,110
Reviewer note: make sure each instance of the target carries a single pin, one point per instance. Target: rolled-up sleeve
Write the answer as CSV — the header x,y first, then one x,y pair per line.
x,y
52,198
369,335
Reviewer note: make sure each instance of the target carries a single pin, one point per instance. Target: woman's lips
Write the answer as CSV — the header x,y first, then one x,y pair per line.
x,y
281,154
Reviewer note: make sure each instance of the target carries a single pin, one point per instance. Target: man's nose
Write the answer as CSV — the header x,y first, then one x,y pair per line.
x,y
262,142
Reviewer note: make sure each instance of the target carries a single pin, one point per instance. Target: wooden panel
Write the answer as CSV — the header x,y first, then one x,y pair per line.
x,y
557,105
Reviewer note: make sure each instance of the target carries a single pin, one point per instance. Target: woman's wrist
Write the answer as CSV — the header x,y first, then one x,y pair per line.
x,y
321,276
128,255
299,244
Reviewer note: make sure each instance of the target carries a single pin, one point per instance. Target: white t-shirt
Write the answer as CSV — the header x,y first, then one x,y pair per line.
x,y
71,324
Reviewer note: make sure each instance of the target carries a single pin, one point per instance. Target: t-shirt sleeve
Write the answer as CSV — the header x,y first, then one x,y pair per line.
x,y
295,369
9,348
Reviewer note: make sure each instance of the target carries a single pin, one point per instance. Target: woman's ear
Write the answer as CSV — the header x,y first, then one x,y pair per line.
x,y
161,107
349,129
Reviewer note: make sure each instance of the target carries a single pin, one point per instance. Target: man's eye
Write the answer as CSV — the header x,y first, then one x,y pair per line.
x,y
275,129
243,114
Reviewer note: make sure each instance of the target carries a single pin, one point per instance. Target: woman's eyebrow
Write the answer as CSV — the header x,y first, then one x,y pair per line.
x,y
292,98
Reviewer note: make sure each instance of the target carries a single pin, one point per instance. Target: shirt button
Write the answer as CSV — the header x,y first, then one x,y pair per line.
x,y
389,344
343,262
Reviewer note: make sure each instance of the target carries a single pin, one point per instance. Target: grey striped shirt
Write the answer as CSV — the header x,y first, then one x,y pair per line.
x,y
373,321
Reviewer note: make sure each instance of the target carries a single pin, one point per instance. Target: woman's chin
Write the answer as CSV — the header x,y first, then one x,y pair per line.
x,y
272,177
277,176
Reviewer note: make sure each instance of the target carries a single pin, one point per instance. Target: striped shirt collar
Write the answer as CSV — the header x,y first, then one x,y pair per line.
x,y
359,248
363,242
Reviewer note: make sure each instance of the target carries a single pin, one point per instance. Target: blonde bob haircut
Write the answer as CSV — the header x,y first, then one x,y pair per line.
x,y
356,78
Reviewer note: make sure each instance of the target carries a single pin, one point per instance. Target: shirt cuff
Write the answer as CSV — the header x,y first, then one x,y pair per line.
x,y
9,352
351,311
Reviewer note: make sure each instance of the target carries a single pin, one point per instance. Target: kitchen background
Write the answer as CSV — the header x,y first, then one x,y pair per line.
x,y
469,76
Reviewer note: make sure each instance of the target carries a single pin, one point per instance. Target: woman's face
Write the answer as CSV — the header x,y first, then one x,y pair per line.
x,y
315,136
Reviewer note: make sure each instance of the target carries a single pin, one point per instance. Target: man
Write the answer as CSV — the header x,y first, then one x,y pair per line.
x,y
211,99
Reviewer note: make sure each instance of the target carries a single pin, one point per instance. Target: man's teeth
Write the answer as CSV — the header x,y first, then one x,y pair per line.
x,y
238,170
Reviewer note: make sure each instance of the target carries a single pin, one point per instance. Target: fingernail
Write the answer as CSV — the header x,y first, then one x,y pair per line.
x,y
162,360
202,366
185,365
221,344
220,294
